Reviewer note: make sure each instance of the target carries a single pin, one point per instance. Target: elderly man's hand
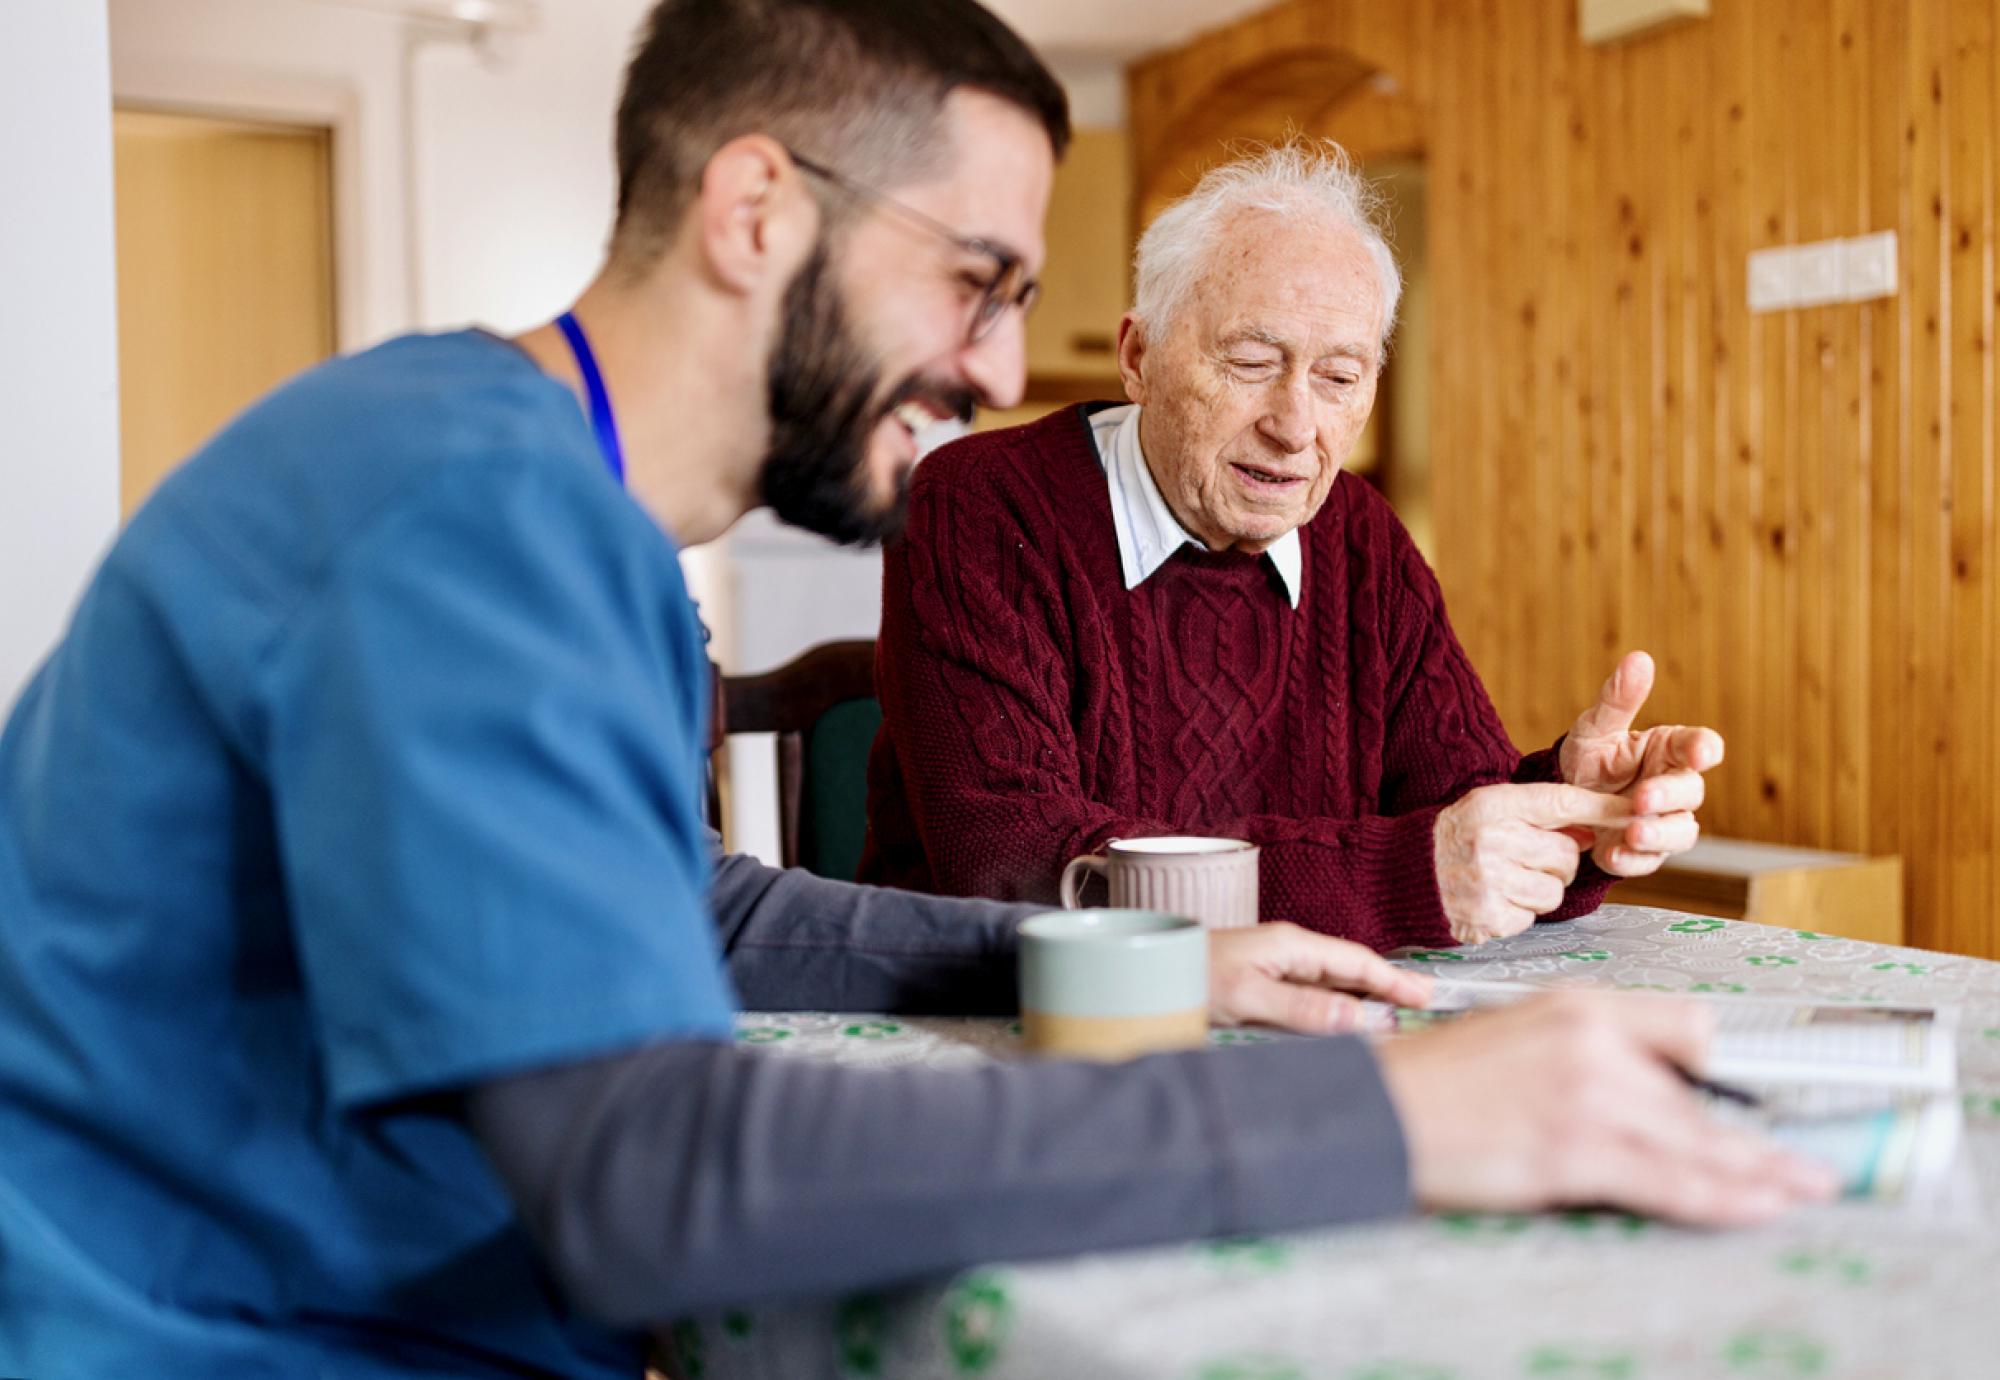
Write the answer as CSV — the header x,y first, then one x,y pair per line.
x,y
1505,854
1659,769
1279,974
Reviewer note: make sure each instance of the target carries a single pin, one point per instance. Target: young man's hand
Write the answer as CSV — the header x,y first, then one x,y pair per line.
x,y
1573,1100
1279,974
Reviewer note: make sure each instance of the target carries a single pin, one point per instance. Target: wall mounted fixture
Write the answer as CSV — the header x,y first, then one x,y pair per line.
x,y
1605,21
1812,275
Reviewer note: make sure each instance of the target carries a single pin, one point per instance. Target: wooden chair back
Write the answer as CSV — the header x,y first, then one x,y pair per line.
x,y
821,705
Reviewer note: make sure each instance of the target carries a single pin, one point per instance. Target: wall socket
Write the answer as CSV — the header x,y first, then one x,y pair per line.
x,y
1812,275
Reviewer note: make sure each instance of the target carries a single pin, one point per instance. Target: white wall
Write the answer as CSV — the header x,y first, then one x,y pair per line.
x,y
294,59
59,346
518,176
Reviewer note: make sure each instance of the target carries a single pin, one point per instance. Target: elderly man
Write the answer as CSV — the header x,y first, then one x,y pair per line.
x,y
1181,616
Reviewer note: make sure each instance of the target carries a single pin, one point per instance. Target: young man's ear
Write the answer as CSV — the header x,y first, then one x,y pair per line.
x,y
1131,354
756,220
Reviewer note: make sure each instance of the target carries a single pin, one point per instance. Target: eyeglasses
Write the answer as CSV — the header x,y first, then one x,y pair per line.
x,y
1008,285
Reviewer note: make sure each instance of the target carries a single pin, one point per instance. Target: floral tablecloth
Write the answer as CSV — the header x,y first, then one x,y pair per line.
x,y
1835,1293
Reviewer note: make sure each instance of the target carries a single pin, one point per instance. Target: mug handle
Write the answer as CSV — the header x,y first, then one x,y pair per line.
x,y
1072,878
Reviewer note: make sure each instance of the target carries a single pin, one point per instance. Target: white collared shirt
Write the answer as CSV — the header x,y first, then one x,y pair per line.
x,y
1148,531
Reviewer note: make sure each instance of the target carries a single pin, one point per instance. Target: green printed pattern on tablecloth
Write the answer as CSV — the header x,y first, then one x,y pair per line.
x,y
977,1314
872,1030
1239,1037
861,1329
1252,1367
1841,1267
1584,1223
1479,1225
1774,1354
1255,1253
1581,1363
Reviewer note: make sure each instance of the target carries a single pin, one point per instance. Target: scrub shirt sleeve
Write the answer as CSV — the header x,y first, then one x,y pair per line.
x,y
485,737
797,942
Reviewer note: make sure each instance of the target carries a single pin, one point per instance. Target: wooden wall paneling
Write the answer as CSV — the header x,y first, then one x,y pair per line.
x,y
1597,404
1704,379
1845,605
1457,246
1993,491
1631,524
1924,800
1968,537
1498,564
1795,511
1991,555
1575,564
1809,506
1891,120
1525,484
1686,652
1669,495
1736,542
1540,185
1773,340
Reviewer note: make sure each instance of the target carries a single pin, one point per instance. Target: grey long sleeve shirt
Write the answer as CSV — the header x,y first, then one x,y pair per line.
x,y
684,1177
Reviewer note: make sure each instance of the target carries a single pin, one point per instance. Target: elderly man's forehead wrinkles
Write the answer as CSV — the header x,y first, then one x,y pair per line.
x,y
1358,349
1242,334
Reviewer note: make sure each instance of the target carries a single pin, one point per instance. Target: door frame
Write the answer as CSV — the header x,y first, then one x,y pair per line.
x,y
226,93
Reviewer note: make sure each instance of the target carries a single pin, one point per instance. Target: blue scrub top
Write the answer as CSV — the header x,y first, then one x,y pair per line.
x,y
367,770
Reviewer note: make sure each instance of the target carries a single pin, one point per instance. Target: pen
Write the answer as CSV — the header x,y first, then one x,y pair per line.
x,y
1726,1091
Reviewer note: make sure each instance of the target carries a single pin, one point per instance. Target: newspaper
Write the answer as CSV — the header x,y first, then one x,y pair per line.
x,y
1870,1090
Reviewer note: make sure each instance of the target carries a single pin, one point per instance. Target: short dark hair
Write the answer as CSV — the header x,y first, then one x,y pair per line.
x,y
858,84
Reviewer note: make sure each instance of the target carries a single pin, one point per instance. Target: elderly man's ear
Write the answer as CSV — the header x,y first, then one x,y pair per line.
x,y
1131,351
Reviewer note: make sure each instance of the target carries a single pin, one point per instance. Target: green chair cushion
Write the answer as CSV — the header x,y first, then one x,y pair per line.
x,y
834,814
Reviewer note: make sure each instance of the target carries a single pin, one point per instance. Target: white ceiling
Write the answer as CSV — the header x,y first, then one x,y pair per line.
x,y
1115,30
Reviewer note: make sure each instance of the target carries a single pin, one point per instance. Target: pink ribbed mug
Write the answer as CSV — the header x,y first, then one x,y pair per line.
x,y
1212,880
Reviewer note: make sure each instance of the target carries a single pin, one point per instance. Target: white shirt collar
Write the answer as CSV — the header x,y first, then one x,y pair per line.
x,y
1148,531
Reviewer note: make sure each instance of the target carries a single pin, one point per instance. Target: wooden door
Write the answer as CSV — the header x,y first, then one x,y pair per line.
x,y
225,275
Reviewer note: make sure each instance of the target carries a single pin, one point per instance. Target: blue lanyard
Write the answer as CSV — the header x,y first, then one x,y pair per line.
x,y
603,423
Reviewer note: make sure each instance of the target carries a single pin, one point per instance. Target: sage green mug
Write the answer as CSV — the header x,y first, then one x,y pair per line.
x,y
1113,983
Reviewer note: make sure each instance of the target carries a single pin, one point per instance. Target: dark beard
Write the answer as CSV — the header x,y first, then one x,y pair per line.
x,y
825,403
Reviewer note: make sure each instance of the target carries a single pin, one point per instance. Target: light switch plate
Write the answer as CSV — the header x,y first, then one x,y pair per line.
x,y
1819,272
1770,279
1869,269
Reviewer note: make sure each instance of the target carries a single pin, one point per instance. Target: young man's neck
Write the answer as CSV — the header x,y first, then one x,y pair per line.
x,y
688,397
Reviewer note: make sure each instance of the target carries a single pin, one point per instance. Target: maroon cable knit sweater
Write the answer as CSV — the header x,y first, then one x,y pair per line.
x,y
1035,709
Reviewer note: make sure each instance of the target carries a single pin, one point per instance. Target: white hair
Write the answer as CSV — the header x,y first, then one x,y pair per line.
x,y
1312,177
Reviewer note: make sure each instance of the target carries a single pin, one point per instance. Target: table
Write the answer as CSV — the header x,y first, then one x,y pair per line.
x,y
1831,1293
